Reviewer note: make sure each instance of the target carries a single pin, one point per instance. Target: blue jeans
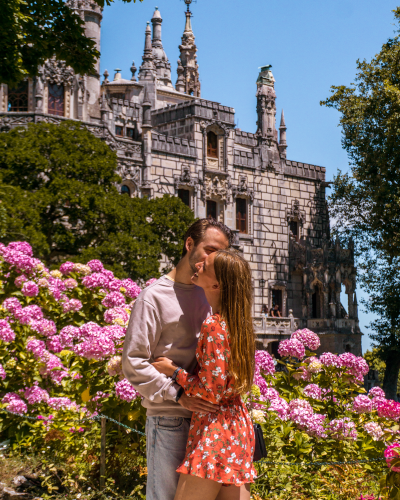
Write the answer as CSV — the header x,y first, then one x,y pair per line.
x,y
166,447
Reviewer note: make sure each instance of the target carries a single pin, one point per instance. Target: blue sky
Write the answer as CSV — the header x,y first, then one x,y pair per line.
x,y
311,45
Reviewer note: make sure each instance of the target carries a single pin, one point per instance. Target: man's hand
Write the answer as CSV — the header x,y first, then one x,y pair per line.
x,y
165,366
197,405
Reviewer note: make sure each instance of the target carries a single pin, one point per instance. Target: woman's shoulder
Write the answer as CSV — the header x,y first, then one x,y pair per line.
x,y
215,323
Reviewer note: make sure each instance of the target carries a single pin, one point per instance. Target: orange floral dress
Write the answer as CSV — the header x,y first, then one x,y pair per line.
x,y
220,445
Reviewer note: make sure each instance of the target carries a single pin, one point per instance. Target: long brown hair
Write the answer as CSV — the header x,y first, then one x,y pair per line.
x,y
234,277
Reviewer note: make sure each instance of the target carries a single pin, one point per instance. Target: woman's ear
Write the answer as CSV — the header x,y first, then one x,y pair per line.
x,y
215,286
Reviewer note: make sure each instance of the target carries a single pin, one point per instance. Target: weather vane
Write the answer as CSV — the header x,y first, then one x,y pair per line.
x,y
188,2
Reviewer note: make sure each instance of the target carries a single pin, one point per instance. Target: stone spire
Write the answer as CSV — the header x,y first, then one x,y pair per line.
x,y
282,136
147,70
160,58
188,59
266,109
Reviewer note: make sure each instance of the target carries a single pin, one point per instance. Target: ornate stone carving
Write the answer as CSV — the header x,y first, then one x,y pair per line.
x,y
242,189
295,213
128,172
58,72
185,179
216,186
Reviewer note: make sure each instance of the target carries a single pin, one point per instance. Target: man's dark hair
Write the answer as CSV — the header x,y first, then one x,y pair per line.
x,y
198,229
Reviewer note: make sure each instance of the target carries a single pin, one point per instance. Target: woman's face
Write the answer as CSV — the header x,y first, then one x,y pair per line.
x,y
205,275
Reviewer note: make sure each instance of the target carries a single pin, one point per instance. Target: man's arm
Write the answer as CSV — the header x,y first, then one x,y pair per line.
x,y
142,336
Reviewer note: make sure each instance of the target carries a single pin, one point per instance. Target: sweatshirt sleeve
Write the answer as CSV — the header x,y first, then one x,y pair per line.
x,y
210,383
142,336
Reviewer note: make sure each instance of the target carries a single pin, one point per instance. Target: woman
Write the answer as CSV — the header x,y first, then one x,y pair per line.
x,y
219,452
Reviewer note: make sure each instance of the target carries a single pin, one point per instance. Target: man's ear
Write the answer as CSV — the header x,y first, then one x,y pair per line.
x,y
189,244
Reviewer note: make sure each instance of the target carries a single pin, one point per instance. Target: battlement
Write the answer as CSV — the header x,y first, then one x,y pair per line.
x,y
298,169
173,145
199,108
245,138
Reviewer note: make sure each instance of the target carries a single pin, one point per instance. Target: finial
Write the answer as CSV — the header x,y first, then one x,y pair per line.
x,y
106,74
283,124
133,71
188,2
117,75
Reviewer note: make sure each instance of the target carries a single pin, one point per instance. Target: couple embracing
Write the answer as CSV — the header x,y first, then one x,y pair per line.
x,y
189,351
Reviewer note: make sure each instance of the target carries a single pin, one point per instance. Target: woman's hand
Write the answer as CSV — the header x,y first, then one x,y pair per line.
x,y
165,366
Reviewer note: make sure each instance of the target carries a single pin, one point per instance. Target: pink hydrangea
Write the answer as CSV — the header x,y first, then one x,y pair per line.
x,y
114,285
20,261
20,280
150,282
302,374
89,330
342,428
14,403
362,404
61,403
114,332
329,359
95,280
315,426
300,412
376,401
54,368
68,334
264,363
6,332
270,393
114,366
356,365
116,315
70,284
12,304
391,453
26,314
307,338
3,374
44,326
67,268
114,299
42,282
72,305
96,266
280,406
132,288
21,246
125,391
98,345
30,289
376,392
35,394
389,409
54,344
374,430
292,347
36,347
313,391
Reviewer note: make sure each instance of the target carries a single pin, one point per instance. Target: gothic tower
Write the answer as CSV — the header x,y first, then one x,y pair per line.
x,y
188,69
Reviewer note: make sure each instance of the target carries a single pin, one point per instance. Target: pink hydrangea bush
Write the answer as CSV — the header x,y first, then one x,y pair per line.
x,y
62,328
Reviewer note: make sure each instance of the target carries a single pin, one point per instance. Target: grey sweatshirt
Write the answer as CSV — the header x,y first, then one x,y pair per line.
x,y
165,321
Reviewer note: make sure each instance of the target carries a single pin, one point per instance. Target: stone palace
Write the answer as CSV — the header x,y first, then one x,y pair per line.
x,y
170,140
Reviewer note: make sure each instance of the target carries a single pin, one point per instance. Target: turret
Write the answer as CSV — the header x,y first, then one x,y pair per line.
x,y
160,58
282,136
266,109
188,59
147,69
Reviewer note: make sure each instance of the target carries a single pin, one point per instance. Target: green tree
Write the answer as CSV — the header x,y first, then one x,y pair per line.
x,y
58,191
375,363
35,30
365,201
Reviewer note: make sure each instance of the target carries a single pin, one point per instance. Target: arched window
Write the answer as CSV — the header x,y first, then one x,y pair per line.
x,y
56,100
125,190
212,145
184,195
294,229
348,348
18,97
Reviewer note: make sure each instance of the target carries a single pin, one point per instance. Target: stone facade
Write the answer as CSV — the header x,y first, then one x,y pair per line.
x,y
169,140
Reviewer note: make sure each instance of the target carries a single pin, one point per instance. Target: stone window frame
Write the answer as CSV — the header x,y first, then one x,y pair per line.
x,y
296,214
278,285
221,205
133,188
28,83
192,195
218,162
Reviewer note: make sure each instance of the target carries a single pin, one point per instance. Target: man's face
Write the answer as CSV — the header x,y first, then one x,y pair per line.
x,y
213,240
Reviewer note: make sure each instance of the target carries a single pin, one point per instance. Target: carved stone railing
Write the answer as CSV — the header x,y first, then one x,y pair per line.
x,y
337,324
268,328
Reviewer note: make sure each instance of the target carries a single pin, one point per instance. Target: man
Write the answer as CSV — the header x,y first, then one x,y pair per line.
x,y
275,312
166,321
